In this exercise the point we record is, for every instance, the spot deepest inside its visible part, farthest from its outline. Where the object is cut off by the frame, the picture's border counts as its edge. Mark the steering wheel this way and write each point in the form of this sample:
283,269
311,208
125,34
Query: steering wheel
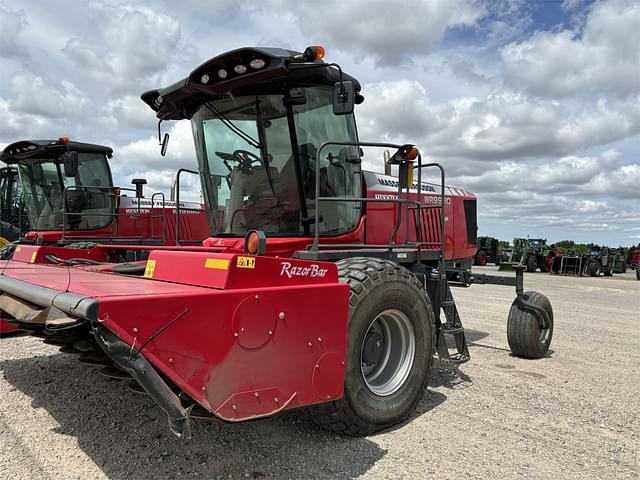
239,156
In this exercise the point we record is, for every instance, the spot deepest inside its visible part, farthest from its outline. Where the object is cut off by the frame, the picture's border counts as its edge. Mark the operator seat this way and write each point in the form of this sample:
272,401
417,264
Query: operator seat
252,183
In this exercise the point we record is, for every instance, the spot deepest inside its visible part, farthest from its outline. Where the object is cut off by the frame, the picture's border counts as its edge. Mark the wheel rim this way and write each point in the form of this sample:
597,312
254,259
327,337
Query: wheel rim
387,352
544,335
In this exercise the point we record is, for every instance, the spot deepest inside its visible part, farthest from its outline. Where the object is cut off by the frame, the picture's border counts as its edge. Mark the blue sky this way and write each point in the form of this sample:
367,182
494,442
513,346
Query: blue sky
533,105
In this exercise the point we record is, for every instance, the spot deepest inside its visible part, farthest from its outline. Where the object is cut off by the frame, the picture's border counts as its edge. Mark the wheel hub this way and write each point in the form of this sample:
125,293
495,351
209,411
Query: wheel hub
387,352
373,347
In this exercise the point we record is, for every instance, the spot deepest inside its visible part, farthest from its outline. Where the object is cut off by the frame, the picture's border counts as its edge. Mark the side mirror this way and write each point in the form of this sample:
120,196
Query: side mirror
70,161
164,144
343,97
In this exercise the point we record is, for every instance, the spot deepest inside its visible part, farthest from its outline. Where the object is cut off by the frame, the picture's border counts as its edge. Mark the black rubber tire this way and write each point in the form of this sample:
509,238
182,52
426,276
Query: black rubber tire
638,272
532,263
377,285
523,328
481,258
595,270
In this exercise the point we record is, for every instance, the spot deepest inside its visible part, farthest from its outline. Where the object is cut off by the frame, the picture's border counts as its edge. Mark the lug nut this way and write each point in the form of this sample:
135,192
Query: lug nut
281,316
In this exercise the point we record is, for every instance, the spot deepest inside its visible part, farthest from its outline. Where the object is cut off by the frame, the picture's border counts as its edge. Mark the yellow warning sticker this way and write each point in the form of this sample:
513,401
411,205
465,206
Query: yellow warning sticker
33,257
246,262
18,249
149,269
217,263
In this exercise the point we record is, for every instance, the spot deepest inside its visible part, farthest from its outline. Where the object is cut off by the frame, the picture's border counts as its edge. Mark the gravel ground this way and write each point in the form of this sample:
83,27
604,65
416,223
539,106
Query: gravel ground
572,414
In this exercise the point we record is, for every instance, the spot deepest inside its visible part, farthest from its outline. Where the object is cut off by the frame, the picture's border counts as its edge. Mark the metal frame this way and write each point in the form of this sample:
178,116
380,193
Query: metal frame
180,171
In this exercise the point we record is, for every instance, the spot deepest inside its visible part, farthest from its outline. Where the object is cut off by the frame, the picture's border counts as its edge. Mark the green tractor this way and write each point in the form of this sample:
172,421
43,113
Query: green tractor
619,260
532,253
488,251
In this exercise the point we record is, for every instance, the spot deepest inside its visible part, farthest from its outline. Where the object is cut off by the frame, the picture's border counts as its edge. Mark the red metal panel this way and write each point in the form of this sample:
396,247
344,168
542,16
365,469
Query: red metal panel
204,354
226,270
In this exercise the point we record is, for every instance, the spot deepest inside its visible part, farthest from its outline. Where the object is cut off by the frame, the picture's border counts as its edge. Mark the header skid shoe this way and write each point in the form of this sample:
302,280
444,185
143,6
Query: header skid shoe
242,336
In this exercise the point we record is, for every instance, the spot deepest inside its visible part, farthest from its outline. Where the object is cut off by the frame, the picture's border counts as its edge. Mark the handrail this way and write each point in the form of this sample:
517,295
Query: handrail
316,233
180,171
441,262
408,204
65,213
152,217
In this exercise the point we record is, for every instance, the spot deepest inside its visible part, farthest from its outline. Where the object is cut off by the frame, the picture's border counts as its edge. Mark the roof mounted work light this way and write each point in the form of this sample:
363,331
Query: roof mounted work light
311,54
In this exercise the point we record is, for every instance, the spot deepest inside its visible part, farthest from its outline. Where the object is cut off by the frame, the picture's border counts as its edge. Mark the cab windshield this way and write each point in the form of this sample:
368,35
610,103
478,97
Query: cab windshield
251,177
83,202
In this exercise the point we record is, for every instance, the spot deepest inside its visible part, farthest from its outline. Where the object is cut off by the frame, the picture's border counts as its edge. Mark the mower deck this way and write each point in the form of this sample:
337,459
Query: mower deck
265,334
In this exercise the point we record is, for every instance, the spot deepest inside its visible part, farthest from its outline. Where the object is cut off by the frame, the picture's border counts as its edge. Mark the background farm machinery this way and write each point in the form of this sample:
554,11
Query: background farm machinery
13,218
601,260
531,253
67,196
489,251
322,285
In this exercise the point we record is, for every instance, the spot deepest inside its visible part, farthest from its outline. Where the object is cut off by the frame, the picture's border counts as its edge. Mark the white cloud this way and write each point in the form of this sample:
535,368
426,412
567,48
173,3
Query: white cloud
602,57
142,159
389,32
13,124
130,111
146,153
590,206
35,95
130,43
622,182
12,23
500,126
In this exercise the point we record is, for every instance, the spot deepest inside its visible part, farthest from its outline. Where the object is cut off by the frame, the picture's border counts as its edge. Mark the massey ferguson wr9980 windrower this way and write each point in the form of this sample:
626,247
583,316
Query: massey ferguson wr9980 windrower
68,196
322,285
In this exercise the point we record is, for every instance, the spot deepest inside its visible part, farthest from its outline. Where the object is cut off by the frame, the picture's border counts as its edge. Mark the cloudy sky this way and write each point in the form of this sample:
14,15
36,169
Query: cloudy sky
533,105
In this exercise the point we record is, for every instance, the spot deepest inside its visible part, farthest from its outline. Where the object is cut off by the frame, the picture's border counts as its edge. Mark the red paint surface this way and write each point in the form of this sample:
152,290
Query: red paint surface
201,352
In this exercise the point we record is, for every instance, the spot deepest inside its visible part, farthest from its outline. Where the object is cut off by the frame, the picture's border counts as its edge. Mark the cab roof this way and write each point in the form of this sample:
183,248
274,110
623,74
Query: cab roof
281,69
25,149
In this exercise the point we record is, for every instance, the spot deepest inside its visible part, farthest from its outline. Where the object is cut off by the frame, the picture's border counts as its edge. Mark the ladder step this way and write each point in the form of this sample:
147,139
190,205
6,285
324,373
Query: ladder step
458,358
453,331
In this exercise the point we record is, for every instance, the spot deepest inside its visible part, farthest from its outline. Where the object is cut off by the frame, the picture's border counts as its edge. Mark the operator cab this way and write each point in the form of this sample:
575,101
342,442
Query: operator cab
65,185
259,117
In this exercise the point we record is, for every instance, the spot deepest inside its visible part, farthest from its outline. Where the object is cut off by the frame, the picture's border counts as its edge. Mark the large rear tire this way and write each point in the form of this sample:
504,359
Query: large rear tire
532,263
481,258
526,337
389,348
